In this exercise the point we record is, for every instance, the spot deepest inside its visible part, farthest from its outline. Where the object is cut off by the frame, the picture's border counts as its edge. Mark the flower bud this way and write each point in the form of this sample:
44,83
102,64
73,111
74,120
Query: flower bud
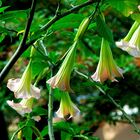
82,28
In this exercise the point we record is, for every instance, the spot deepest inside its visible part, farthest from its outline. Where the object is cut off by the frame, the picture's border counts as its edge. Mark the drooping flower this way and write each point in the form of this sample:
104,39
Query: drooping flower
67,108
62,79
23,88
131,43
23,107
107,68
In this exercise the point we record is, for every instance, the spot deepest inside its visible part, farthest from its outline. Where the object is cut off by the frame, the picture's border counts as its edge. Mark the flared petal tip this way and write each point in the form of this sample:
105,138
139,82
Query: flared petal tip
51,81
62,85
117,72
36,118
13,84
35,92
131,49
69,113
21,109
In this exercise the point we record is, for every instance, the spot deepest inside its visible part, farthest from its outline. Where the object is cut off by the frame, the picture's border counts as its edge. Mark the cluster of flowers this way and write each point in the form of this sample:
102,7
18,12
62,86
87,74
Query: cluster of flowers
24,90
106,69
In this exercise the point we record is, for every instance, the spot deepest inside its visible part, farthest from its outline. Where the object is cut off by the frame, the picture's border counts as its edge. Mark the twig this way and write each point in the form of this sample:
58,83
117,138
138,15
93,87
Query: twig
137,130
22,47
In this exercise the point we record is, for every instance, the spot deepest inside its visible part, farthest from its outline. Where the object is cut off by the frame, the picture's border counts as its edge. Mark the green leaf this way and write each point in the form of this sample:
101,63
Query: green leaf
12,15
2,36
39,62
44,132
70,21
27,132
65,136
3,30
39,111
59,126
136,17
104,30
3,8
126,7
64,127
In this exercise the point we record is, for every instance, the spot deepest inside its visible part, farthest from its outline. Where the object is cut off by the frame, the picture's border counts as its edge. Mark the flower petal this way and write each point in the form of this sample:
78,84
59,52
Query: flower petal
130,48
67,108
35,92
19,108
107,68
36,118
13,84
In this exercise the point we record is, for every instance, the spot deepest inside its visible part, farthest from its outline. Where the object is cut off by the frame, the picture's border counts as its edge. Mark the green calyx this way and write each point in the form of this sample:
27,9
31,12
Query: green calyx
131,31
82,28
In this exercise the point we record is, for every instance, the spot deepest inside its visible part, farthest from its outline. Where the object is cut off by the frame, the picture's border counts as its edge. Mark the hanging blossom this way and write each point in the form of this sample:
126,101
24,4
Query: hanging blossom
23,88
67,108
62,79
107,68
23,107
131,43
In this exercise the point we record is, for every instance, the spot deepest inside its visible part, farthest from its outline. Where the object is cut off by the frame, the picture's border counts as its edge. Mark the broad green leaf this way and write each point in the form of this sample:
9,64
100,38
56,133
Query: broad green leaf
70,21
3,8
12,15
104,30
39,111
64,127
136,16
126,7
27,132
44,132
2,36
59,126
65,136
3,30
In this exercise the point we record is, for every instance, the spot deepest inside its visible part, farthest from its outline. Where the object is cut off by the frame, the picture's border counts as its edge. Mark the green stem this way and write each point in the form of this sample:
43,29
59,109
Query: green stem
15,133
50,113
37,133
